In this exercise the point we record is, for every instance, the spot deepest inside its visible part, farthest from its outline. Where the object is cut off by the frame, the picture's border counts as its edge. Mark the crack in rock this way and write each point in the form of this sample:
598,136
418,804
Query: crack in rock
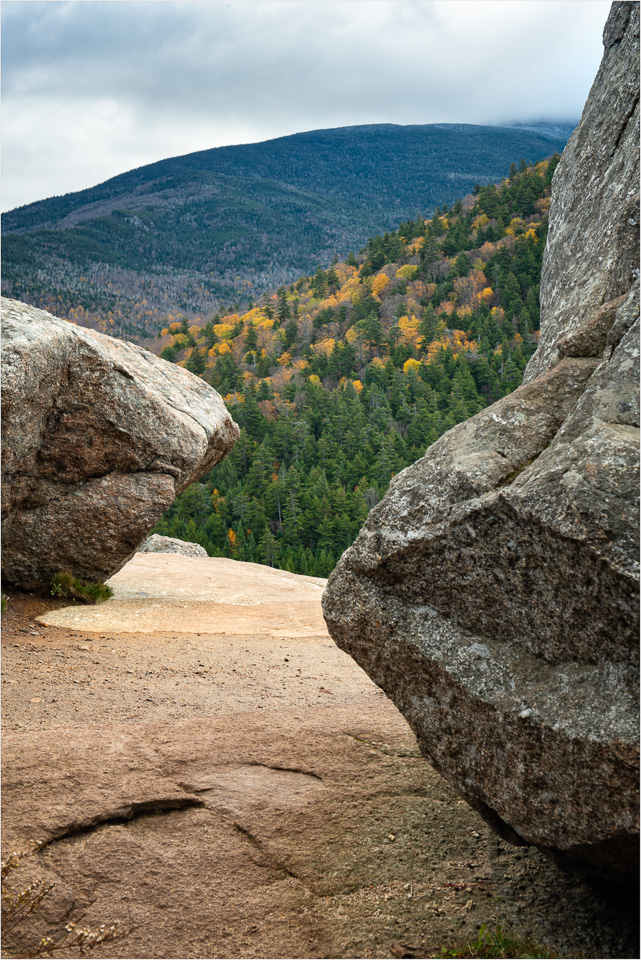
124,814
273,861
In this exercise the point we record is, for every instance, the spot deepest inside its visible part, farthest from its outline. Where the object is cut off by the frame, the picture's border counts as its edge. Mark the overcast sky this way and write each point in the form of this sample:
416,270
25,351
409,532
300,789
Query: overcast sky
91,89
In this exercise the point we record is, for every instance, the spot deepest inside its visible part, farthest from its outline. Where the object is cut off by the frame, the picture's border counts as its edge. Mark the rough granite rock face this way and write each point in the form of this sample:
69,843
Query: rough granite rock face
494,592
98,438
158,544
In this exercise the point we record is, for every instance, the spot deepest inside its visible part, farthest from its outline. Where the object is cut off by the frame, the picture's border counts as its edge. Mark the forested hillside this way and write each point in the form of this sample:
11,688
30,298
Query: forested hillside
191,233
345,377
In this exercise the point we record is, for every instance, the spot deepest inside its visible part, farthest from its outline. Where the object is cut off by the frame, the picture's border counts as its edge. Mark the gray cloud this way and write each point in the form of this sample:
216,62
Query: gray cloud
91,89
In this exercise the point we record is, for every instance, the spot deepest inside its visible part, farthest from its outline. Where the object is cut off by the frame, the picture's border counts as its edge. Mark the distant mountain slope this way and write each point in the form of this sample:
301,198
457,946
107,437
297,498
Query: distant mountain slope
194,232
346,377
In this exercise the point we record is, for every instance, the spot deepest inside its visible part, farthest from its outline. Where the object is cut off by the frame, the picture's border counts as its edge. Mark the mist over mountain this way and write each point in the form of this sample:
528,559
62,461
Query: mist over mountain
196,232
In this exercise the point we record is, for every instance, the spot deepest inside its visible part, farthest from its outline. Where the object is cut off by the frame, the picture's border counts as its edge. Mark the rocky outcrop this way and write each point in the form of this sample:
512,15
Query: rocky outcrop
157,544
98,438
592,251
494,592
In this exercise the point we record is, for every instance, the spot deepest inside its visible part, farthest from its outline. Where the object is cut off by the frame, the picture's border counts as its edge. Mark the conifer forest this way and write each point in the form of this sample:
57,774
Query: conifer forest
343,378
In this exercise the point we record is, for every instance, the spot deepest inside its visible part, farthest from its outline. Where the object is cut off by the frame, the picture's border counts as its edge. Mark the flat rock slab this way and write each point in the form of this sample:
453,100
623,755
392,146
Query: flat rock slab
202,595
284,835
229,796
203,843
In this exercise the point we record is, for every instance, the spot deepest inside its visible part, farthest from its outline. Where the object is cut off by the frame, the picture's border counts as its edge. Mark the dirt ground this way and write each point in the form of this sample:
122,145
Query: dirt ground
233,785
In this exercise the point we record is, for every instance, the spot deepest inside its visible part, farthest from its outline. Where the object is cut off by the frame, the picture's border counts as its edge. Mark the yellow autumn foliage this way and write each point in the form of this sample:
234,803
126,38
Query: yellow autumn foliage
331,301
379,283
478,277
434,349
324,346
343,271
223,330
348,290
407,272
456,340
253,315
411,364
409,328
459,341
358,386
517,225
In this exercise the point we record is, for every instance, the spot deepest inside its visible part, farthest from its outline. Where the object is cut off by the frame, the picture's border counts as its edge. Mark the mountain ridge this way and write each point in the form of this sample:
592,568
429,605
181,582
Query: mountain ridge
545,130
198,232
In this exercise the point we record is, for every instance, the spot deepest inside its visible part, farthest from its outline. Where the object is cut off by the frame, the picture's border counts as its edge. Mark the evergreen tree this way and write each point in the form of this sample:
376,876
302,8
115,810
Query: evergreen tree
282,308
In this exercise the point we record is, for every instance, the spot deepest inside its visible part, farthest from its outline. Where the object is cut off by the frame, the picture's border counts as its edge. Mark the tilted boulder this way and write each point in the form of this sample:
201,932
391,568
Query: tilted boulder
494,592
158,544
98,438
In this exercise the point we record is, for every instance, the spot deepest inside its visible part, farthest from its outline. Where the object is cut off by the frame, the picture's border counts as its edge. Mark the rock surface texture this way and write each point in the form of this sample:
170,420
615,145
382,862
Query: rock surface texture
98,438
157,544
493,593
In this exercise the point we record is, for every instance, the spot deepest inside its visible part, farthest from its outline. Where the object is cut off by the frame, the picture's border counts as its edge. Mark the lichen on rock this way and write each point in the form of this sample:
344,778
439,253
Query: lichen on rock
494,592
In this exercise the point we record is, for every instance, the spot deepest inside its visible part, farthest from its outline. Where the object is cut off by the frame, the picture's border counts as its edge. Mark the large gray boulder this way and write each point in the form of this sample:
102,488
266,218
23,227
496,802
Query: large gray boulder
158,544
98,438
494,592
